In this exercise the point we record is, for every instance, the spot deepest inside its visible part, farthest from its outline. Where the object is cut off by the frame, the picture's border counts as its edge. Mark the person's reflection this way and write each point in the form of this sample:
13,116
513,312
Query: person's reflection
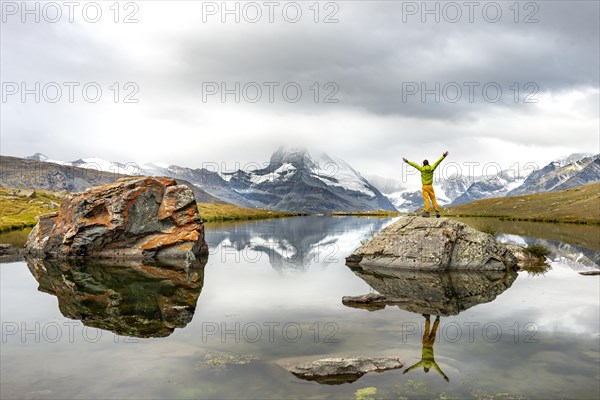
427,359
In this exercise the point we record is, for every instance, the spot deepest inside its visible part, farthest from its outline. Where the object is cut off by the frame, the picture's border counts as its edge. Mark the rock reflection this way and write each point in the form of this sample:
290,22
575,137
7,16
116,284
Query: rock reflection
129,298
429,293
438,293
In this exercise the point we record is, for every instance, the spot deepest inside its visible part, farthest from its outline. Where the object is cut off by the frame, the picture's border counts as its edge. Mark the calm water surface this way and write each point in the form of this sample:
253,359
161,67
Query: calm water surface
269,297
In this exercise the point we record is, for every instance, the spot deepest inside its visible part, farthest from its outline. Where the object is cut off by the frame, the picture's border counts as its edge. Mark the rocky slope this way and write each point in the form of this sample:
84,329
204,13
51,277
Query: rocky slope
39,172
560,175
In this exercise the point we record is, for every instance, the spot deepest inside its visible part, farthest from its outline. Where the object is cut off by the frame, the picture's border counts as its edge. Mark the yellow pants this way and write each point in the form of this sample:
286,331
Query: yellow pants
428,194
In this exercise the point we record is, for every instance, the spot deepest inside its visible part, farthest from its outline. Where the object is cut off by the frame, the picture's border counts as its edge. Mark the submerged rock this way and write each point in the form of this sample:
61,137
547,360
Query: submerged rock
133,218
334,371
590,273
130,298
434,244
441,293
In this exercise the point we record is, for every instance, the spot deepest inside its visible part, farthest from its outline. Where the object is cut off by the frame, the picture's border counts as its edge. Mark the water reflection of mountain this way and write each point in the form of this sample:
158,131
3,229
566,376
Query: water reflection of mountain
128,298
576,257
293,244
437,293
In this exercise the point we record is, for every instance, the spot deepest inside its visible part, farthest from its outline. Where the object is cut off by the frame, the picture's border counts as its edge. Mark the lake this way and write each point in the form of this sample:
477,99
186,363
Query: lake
269,297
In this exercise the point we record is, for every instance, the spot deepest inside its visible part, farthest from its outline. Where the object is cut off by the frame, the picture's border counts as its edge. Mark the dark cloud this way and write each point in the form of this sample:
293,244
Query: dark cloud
371,55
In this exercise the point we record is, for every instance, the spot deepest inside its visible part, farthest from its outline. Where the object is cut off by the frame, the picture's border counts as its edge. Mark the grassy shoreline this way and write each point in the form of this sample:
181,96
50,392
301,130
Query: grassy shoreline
226,212
19,209
368,213
578,205
544,220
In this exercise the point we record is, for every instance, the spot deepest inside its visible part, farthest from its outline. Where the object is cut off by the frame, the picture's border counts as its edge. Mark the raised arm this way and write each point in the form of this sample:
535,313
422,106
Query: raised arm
434,166
439,370
412,164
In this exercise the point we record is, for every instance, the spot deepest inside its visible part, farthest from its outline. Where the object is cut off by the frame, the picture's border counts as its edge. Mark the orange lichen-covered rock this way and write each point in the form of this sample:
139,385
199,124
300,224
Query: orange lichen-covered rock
135,217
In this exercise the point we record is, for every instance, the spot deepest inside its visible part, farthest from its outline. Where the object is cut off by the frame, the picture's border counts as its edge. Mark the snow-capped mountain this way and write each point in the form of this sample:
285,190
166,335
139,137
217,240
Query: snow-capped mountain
293,180
453,190
575,170
498,185
560,175
94,163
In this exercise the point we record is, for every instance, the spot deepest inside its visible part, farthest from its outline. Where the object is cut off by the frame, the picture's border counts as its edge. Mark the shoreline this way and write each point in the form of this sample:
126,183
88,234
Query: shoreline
532,219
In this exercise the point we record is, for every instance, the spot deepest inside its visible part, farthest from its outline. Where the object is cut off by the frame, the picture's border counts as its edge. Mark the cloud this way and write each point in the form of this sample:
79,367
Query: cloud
368,61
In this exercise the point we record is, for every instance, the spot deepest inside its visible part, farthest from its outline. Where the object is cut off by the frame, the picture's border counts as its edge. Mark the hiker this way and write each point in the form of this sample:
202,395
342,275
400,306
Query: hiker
427,180
427,359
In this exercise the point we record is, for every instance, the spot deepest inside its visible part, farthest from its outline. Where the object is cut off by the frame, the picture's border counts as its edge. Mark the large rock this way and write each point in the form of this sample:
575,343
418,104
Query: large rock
434,244
133,218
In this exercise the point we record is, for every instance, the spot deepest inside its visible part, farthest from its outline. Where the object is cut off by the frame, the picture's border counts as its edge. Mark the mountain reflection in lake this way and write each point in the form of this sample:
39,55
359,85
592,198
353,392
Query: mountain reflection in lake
294,244
270,297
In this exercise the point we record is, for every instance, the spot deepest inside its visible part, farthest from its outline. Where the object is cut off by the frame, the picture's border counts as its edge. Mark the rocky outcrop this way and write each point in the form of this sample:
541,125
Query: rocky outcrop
133,218
433,244
130,298
443,293
334,371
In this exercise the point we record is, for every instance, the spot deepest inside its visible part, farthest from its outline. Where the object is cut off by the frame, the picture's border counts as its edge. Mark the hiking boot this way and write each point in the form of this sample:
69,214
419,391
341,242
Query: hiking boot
437,214
425,215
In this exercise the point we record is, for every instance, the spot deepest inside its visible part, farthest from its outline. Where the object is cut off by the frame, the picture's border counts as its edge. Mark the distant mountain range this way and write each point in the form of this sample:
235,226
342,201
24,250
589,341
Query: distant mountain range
576,170
296,180
560,175
30,173
293,180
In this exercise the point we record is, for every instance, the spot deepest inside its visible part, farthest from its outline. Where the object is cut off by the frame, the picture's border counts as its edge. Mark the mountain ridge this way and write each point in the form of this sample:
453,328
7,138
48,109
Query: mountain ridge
294,180
297,180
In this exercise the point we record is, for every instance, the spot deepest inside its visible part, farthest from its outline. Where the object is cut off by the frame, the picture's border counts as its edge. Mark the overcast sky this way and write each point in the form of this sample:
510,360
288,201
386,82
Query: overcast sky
372,59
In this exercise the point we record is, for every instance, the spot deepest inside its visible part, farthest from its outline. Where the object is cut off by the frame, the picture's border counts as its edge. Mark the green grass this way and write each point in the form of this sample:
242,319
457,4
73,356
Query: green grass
576,205
537,250
227,212
537,269
585,235
19,207
488,228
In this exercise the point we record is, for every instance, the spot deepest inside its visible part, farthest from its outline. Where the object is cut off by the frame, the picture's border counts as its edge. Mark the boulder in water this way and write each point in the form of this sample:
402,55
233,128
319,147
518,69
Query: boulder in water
133,218
434,244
